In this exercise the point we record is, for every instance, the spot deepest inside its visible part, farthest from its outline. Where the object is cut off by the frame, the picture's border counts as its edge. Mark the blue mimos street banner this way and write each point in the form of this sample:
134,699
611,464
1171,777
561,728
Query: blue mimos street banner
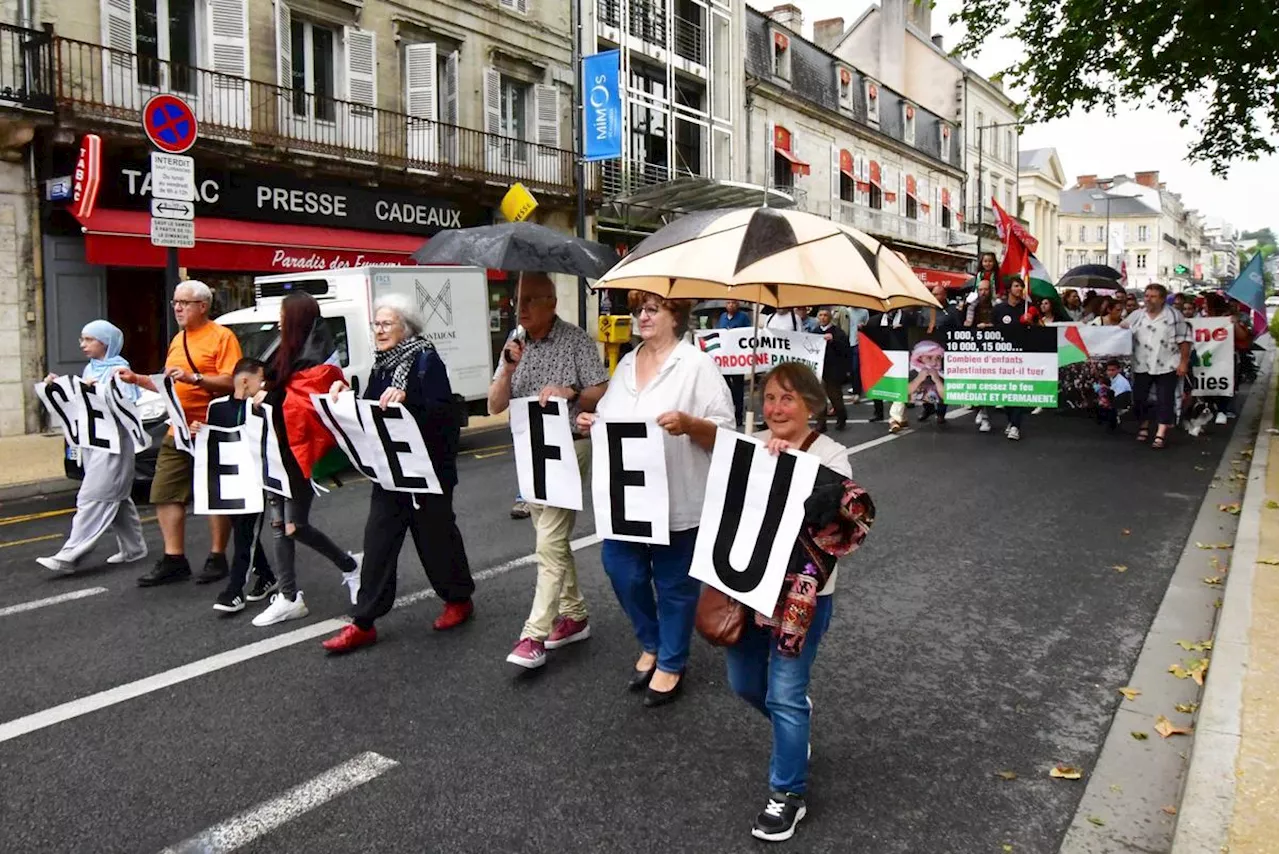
601,107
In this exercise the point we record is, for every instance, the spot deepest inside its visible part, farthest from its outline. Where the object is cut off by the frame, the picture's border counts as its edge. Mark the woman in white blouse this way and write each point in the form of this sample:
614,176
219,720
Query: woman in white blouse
679,386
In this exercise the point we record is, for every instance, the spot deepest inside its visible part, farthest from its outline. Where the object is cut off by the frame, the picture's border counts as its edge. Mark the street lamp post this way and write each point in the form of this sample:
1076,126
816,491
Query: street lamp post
981,129
1106,235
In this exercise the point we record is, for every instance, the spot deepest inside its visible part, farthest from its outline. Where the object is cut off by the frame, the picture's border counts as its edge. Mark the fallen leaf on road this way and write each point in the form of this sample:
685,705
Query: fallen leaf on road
1186,708
1140,736
1198,671
1119,567
1197,646
1271,505
1247,452
1201,545
1233,508
1130,693
1006,848
1212,580
1199,468
1115,787
1217,603
1065,772
1007,775
1165,727
1170,809
1179,671
1124,532
1093,819
1269,561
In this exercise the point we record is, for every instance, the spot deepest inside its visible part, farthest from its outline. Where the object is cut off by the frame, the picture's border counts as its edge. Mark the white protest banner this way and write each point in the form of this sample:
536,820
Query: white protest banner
738,351
749,490
125,411
264,446
224,479
1013,366
546,465
181,432
385,445
1213,364
97,427
629,482
60,398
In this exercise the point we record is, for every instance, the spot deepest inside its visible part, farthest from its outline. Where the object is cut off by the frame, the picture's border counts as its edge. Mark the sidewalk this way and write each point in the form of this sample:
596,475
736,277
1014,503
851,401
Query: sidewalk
1230,802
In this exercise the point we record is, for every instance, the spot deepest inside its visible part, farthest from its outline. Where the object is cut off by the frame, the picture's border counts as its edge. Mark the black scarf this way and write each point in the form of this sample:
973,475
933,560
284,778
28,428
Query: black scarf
400,358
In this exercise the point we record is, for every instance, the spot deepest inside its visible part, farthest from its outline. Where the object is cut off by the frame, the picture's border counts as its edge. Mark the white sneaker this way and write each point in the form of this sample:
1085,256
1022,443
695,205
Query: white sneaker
984,424
352,578
121,557
1037,410
52,564
282,609
1013,434
1220,418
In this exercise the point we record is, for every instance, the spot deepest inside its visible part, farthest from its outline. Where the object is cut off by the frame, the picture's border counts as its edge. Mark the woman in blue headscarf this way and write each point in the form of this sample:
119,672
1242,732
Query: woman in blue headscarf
103,503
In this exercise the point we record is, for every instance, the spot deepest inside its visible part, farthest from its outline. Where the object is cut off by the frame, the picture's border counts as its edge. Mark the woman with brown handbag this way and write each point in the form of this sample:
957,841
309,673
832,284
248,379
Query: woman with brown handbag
770,664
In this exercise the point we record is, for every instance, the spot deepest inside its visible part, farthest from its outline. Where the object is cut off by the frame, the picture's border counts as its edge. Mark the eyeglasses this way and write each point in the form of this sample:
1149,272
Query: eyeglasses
384,325
183,303
648,310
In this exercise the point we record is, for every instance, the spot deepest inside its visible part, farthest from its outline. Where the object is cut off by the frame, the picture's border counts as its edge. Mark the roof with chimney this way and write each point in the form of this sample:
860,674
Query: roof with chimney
1080,201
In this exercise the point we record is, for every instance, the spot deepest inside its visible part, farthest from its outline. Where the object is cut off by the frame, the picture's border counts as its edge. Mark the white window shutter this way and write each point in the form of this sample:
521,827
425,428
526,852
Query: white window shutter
284,45
450,112
420,81
795,144
902,193
770,180
546,109
119,28
835,180
522,6
229,37
362,77
492,104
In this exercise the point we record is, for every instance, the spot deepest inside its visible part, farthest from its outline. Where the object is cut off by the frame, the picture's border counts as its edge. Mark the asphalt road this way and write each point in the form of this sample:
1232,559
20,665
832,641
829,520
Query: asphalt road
981,628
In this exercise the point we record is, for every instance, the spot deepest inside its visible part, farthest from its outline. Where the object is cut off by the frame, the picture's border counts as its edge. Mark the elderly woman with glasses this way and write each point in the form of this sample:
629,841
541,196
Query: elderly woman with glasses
676,384
408,371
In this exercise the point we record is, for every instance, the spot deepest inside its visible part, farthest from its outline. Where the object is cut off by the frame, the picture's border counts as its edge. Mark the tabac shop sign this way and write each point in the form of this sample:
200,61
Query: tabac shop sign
282,199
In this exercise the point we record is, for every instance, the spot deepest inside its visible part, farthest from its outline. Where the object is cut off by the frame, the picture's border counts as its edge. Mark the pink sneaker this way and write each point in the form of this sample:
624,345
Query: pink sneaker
567,630
529,654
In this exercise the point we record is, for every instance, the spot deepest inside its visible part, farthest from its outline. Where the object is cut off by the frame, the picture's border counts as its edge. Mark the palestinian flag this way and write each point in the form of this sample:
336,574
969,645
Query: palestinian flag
883,365
1039,285
1071,347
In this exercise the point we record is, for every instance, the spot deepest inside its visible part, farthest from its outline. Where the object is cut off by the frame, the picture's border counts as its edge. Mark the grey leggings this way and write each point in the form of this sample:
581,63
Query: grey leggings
296,511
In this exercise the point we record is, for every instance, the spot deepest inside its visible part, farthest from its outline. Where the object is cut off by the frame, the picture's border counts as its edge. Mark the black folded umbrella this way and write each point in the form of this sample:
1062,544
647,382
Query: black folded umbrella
1100,277
518,247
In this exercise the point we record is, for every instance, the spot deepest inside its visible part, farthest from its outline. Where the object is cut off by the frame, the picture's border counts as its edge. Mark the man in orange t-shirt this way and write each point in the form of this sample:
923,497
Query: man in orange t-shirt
201,361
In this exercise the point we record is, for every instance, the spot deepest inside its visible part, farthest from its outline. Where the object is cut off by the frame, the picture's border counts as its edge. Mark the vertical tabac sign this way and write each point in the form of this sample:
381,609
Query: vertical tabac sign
87,177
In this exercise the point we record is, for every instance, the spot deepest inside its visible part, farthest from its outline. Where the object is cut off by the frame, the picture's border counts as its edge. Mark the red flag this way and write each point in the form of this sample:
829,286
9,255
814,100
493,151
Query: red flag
1017,252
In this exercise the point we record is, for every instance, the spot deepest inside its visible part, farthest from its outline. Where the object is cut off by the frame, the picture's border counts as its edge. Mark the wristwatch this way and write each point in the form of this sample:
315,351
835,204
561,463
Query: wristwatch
196,379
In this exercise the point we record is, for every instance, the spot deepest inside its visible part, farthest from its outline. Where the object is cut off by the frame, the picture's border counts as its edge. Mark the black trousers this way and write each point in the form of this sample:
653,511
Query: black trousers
436,538
737,389
835,394
244,543
1166,387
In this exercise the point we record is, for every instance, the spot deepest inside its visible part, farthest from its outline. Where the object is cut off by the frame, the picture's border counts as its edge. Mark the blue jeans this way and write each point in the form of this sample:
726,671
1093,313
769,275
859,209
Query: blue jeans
778,687
663,625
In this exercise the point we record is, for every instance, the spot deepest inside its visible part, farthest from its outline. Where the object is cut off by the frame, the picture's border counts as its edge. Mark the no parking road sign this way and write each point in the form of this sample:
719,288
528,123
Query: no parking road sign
169,123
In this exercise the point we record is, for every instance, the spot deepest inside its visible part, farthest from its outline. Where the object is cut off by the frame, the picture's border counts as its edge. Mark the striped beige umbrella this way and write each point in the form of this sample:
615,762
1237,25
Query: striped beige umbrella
769,257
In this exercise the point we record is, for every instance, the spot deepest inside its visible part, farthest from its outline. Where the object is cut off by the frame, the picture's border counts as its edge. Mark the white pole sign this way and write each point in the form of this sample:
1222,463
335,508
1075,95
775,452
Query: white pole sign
629,482
751,517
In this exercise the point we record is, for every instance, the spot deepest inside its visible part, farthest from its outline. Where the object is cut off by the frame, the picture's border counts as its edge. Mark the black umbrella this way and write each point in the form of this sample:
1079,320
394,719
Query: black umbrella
518,247
1100,277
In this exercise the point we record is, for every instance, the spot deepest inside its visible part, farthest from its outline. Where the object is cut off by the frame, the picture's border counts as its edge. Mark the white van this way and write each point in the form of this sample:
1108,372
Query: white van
454,303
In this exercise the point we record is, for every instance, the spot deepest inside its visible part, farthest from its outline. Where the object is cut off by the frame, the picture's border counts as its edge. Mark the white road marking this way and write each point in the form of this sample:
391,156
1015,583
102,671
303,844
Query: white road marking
96,702
52,600
260,820
905,431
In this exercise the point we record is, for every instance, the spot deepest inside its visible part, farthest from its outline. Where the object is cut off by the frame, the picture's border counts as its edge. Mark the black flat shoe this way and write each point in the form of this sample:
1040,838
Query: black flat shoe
653,699
640,679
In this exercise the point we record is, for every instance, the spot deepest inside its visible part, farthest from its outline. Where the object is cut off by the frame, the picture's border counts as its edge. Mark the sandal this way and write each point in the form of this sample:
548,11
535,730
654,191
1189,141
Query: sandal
1158,442
1144,434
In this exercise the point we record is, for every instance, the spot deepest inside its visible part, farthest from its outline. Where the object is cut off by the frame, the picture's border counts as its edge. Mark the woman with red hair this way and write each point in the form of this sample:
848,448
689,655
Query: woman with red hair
303,366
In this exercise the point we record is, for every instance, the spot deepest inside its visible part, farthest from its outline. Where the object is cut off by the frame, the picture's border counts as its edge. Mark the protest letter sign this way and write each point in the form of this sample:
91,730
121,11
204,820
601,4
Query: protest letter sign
125,411
546,464
739,351
1015,366
405,465
181,432
1213,365
98,427
629,482
224,479
342,417
60,398
264,447
751,516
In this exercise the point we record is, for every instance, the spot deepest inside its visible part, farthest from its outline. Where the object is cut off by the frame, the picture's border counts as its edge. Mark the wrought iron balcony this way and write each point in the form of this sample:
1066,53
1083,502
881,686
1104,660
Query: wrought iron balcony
690,40
100,87
609,12
26,68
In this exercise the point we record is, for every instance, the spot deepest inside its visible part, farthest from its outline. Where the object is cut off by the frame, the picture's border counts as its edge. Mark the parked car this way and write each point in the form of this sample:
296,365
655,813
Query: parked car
156,421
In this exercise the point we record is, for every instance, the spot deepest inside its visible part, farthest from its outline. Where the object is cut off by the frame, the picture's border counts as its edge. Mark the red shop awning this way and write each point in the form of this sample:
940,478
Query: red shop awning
947,278
119,238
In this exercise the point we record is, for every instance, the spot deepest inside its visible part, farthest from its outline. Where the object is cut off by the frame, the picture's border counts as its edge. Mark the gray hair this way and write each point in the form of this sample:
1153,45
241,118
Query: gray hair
199,290
405,309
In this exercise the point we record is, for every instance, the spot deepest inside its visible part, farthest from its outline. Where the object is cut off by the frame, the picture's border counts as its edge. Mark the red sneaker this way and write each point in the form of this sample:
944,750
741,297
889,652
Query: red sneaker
566,630
453,615
352,637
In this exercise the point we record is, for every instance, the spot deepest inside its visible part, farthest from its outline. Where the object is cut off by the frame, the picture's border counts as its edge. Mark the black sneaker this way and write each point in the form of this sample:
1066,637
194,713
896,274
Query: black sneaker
215,569
229,602
261,589
777,821
169,568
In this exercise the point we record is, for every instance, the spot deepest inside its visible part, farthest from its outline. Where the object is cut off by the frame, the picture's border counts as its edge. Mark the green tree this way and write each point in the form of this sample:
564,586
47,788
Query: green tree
1177,56
1264,236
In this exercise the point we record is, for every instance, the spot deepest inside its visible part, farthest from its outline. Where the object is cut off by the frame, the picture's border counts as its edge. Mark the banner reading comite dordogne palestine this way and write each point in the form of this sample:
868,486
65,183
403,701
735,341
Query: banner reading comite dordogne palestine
1002,367
738,351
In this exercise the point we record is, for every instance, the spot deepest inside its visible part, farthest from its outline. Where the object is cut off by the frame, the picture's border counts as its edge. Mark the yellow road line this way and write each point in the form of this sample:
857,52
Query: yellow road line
31,517
44,537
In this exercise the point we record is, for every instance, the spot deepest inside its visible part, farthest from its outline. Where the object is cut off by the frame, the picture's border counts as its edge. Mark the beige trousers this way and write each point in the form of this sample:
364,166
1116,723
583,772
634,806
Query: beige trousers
557,592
